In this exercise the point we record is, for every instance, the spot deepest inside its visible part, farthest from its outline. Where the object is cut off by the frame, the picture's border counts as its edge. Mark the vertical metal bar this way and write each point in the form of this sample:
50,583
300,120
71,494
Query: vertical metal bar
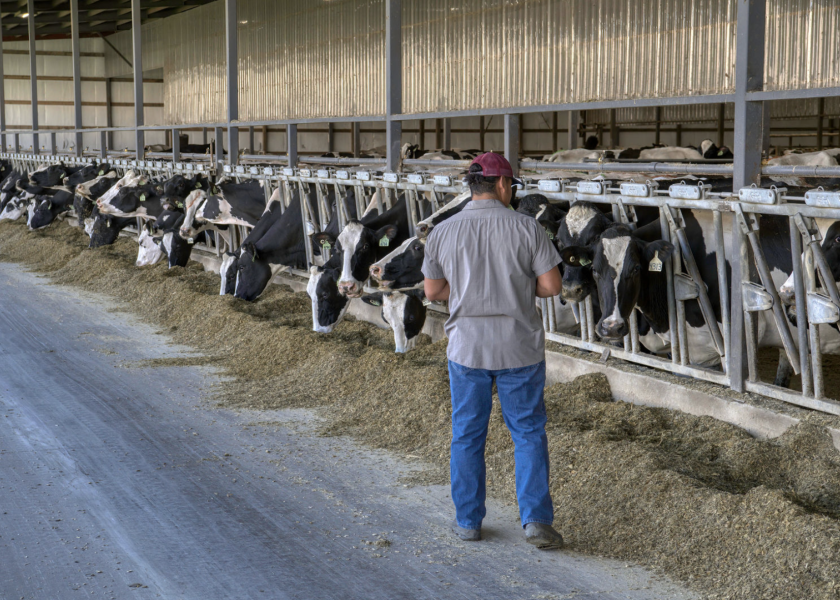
137,47
176,145
481,131
77,76
204,135
574,124
669,284
393,83
590,319
723,284
219,143
251,141
447,134
265,138
103,145
614,130
679,134
422,137
109,119
814,330
2,93
292,145
544,311
721,117
232,74
658,136
801,304
330,137
52,143
357,139
512,141
820,113
438,133
16,143
747,147
33,74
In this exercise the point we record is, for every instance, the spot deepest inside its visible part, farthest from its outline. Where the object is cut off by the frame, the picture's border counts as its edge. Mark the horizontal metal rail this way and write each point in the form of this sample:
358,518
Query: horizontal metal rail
611,167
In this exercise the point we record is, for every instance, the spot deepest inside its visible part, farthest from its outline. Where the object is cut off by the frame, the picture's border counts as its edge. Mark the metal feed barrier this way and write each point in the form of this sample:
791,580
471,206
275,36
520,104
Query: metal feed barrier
736,222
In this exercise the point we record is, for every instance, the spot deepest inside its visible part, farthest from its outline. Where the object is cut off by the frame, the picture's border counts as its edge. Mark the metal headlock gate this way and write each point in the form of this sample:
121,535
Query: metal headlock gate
736,223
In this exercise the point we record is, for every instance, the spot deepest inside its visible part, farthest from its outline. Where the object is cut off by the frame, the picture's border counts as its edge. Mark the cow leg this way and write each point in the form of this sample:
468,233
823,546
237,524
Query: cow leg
784,371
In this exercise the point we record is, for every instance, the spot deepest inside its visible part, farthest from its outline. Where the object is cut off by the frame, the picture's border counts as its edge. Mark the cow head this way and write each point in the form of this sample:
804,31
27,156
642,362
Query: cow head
405,314
42,212
228,272
177,249
192,209
48,175
402,267
15,208
582,226
252,273
150,251
180,186
328,305
357,245
105,229
621,267
84,174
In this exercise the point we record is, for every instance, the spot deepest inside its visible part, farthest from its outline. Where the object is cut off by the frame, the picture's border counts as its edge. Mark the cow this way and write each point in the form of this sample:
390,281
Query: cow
670,153
161,237
225,203
104,229
823,158
87,193
328,305
180,186
140,200
453,207
45,209
583,225
362,243
404,312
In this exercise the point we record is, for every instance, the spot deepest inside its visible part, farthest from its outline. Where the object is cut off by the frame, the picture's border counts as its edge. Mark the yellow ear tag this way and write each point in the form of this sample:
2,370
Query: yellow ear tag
101,173
655,264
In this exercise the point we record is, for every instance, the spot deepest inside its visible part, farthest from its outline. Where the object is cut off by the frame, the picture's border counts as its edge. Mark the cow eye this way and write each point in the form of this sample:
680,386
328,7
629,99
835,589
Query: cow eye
241,267
837,240
410,318
637,268
366,247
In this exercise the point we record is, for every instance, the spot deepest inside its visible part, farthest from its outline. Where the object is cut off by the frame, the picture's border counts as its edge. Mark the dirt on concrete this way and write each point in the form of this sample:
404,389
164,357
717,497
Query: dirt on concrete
701,500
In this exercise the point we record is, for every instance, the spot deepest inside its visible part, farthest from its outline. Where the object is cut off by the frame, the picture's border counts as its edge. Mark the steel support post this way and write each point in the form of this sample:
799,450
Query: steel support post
2,94
137,49
512,141
15,143
53,149
356,141
219,143
820,112
614,141
232,72
33,74
103,145
292,144
393,83
109,117
176,145
749,125
447,134
721,120
252,140
330,137
574,124
264,131
77,78
658,117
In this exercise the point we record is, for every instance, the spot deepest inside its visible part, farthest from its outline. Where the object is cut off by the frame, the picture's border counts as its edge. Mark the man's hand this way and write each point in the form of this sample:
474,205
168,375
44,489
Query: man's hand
437,289
549,284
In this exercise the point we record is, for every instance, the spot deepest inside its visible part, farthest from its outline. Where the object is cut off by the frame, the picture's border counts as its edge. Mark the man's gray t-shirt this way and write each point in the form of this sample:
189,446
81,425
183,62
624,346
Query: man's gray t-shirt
491,256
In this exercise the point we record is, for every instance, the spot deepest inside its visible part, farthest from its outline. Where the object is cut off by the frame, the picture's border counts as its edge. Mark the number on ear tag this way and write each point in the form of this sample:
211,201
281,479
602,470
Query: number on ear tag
584,262
550,235
384,241
655,264
325,244
142,197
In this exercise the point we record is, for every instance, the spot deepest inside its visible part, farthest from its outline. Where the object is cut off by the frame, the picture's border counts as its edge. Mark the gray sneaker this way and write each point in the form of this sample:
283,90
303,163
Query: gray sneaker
543,536
466,535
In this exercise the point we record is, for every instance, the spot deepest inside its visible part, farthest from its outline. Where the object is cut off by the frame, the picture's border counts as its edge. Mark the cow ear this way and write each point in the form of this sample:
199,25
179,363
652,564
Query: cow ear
323,239
577,256
418,293
373,299
660,249
389,231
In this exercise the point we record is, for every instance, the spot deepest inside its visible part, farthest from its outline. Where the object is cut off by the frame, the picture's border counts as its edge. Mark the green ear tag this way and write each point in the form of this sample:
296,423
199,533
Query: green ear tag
179,204
584,262
374,302
101,172
215,190
550,235
384,241
325,244
142,197
426,302
198,185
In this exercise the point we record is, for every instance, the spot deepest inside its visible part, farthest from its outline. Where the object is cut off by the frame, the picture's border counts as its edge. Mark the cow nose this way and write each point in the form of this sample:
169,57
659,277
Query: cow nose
422,229
376,272
612,328
572,291
787,295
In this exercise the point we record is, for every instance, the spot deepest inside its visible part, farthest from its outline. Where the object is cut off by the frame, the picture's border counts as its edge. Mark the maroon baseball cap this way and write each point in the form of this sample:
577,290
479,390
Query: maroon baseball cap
495,165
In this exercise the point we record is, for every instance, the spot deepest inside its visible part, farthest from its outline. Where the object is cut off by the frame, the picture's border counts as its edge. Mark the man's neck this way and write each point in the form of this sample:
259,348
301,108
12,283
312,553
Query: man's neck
487,197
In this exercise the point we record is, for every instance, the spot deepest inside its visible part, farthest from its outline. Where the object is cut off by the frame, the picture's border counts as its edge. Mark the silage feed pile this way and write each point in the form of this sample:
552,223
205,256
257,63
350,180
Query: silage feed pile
732,516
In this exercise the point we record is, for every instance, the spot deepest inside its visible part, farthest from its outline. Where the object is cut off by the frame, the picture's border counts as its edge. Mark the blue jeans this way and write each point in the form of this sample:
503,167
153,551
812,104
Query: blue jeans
521,392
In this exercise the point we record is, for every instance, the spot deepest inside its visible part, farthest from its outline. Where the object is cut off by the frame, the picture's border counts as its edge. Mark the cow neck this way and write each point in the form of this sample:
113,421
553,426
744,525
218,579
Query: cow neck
653,300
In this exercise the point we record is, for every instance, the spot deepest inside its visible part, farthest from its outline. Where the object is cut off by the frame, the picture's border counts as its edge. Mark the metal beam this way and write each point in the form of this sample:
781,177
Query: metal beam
574,124
33,75
137,48
447,134
109,119
219,143
292,144
356,139
2,93
512,141
393,82
77,76
232,73
330,137
103,145
176,145
748,130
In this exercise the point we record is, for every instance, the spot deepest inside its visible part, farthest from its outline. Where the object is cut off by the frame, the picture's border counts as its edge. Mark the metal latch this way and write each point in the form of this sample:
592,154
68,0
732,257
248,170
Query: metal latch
755,297
685,288
821,309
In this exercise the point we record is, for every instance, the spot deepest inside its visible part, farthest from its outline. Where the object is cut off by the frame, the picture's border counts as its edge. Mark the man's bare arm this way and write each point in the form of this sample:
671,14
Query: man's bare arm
549,284
436,289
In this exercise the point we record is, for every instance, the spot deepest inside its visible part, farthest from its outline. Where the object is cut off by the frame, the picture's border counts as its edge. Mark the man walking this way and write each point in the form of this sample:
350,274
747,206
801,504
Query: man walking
490,262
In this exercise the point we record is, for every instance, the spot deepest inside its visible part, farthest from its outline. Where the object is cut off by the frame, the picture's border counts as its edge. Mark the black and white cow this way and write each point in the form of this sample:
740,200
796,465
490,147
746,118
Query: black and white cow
161,238
225,203
105,229
404,312
453,207
582,226
181,187
45,209
140,200
328,305
87,193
